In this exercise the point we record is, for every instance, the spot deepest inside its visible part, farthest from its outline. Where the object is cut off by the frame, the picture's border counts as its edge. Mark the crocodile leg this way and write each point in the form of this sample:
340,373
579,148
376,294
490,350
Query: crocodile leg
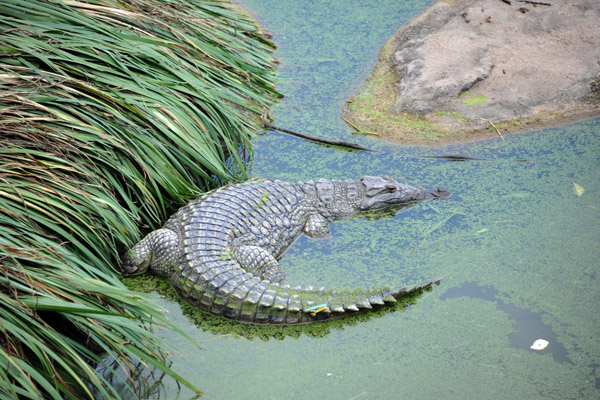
316,226
259,262
159,249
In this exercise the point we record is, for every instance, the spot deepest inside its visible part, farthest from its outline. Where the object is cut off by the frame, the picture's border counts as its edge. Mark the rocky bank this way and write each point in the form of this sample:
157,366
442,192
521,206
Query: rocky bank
472,68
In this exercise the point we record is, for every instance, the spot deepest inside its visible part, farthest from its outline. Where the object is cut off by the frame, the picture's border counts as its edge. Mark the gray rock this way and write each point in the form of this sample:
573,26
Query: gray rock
487,59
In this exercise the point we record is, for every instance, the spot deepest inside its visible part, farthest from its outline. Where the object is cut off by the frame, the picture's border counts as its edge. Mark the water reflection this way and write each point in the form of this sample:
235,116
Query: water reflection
528,325
218,325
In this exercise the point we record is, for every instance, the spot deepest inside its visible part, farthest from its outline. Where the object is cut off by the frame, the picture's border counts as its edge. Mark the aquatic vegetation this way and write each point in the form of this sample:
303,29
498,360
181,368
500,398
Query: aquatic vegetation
111,112
479,99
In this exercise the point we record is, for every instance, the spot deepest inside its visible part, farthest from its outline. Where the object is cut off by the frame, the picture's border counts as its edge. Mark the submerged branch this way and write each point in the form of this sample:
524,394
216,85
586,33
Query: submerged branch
356,146
535,3
332,142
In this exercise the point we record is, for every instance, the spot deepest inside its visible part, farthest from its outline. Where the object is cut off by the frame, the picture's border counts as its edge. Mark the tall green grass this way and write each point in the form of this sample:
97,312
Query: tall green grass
110,113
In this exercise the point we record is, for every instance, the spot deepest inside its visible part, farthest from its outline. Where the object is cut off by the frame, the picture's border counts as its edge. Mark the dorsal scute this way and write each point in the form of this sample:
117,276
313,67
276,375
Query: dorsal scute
352,190
325,191
309,188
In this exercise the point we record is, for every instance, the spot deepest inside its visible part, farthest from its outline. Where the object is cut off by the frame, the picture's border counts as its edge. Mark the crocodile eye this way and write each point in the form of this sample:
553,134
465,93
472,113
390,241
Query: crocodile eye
390,190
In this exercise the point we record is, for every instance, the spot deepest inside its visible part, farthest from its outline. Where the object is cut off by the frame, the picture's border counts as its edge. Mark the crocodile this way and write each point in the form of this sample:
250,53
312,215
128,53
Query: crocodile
220,251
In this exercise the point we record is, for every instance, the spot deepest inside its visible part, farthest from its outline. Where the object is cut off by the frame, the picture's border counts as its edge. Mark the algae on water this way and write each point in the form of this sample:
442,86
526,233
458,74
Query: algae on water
515,229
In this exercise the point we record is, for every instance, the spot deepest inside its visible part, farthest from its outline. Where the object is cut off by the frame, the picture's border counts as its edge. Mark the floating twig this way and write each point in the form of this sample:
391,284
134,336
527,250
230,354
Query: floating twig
494,126
265,119
535,3
457,157
358,130
332,142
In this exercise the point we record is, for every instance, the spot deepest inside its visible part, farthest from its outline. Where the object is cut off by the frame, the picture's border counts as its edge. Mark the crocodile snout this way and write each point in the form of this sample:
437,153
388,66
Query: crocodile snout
439,193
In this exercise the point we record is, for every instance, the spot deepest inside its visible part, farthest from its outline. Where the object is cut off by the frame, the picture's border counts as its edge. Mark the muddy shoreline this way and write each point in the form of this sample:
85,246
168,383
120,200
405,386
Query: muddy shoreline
466,70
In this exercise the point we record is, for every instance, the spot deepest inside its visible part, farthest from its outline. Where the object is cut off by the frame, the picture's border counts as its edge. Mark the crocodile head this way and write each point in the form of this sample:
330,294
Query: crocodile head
382,192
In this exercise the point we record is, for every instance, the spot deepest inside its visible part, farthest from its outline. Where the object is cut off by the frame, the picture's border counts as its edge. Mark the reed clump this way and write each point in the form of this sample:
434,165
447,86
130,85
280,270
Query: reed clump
110,113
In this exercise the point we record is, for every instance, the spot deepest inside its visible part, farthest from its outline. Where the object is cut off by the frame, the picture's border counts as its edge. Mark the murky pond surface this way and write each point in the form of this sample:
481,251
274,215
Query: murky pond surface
517,248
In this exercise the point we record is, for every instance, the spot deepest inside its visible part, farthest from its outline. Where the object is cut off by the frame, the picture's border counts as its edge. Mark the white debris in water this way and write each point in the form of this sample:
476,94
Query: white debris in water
539,344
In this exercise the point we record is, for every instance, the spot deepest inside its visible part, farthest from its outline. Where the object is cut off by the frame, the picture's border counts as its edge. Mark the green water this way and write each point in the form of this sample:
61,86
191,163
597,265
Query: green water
516,247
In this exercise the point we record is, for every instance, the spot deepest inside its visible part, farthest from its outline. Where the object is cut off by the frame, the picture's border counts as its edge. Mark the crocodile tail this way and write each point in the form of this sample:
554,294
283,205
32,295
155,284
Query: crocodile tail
233,293
274,304
335,304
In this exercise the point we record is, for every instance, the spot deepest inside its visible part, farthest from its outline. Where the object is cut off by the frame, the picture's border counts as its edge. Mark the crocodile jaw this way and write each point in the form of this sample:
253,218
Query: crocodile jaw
382,192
